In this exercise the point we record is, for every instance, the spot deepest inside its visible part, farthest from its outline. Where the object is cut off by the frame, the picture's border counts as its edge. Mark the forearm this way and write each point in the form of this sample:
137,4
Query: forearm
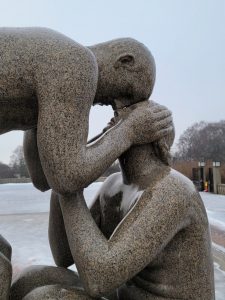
101,153
57,235
33,162
72,164
87,243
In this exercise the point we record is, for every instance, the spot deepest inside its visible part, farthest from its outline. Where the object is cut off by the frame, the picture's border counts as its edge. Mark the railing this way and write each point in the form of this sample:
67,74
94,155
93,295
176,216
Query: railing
221,189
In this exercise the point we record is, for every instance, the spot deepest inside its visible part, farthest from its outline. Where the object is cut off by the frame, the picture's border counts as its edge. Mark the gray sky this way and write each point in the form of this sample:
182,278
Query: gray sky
186,37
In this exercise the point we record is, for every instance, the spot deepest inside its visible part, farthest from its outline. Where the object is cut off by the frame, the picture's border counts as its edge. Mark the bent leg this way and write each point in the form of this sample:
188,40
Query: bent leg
38,276
57,292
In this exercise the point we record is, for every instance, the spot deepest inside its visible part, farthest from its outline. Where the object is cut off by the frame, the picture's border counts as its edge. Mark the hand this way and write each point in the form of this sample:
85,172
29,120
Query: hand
147,122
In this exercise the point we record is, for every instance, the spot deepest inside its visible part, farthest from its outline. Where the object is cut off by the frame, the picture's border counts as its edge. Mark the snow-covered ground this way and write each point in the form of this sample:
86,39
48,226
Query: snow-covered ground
215,206
24,223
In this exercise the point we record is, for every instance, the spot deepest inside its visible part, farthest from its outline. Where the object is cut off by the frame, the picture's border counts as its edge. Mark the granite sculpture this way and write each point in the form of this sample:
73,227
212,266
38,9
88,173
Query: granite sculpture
146,234
48,83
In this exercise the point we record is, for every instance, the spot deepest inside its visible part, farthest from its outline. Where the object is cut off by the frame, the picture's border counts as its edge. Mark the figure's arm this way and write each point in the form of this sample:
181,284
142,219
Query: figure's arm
104,264
32,159
68,162
66,84
57,233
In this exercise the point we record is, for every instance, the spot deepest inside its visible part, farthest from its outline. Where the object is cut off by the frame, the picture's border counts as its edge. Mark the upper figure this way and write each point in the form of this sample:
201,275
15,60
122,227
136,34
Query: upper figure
48,83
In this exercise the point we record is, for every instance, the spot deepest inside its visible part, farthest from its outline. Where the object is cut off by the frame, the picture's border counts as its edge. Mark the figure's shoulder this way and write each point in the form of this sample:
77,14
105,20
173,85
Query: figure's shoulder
46,42
177,188
180,181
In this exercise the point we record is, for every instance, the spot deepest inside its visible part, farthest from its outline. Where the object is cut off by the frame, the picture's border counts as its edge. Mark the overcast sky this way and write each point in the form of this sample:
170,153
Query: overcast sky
186,37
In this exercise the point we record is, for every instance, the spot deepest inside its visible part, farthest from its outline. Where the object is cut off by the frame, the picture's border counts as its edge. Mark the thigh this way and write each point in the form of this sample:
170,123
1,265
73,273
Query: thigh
57,292
39,276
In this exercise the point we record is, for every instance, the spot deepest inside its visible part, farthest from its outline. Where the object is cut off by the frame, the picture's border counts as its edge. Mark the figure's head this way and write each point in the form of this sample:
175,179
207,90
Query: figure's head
126,70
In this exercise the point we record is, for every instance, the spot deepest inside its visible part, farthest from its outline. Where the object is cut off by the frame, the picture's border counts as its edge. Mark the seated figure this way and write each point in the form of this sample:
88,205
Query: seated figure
147,236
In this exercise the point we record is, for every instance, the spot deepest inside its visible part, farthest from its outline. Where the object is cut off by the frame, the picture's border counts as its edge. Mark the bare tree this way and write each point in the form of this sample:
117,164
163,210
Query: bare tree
202,141
17,163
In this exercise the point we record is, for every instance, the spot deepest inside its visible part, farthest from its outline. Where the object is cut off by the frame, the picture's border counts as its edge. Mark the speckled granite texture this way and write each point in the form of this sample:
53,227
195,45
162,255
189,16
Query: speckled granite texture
5,268
146,235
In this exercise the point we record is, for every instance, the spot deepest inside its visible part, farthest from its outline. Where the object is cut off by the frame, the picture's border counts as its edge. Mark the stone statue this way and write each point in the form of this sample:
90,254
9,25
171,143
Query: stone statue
48,83
147,236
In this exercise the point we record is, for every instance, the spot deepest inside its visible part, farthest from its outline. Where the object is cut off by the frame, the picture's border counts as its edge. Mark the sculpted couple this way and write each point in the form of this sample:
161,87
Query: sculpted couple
145,235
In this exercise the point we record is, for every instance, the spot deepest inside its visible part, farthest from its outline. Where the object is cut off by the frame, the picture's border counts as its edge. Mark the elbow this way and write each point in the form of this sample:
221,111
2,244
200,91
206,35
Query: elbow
65,184
39,181
63,262
40,184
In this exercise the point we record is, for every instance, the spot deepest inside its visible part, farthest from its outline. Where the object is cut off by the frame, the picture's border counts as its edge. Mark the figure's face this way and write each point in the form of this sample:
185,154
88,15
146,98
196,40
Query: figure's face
126,70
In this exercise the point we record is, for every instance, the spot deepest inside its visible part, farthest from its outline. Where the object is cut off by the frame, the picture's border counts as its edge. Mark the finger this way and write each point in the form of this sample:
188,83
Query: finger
162,124
157,109
152,103
162,115
163,132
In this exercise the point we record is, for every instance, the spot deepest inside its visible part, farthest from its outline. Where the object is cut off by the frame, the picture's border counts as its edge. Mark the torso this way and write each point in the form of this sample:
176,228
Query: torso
28,58
192,270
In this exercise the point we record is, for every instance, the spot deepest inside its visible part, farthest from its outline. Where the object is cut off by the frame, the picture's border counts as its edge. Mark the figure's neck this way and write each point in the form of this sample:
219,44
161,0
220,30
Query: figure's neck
140,162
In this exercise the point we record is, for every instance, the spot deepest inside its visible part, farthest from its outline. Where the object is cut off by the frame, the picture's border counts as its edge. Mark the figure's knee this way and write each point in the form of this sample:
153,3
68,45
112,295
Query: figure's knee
57,292
38,276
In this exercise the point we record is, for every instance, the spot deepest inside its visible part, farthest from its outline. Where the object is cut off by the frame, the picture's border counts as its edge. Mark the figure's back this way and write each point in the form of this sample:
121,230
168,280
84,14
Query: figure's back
33,62
22,52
